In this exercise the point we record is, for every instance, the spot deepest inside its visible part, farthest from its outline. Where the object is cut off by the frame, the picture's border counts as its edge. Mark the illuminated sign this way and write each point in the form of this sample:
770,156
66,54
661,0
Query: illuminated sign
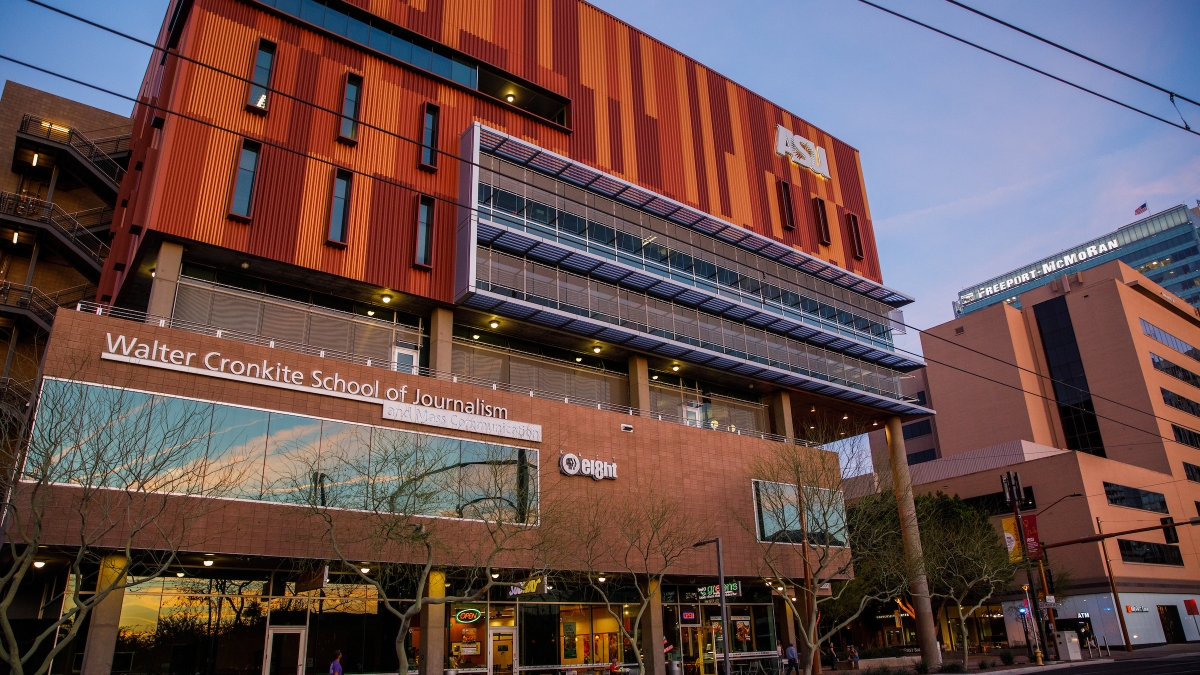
1136,609
468,615
687,616
801,151
1038,270
733,589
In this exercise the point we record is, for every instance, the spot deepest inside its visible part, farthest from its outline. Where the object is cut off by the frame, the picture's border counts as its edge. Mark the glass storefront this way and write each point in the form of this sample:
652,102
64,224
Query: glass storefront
253,624
693,633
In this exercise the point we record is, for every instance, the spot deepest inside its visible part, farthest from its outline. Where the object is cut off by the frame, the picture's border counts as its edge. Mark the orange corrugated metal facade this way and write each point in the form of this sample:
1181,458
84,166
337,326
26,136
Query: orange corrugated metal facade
638,109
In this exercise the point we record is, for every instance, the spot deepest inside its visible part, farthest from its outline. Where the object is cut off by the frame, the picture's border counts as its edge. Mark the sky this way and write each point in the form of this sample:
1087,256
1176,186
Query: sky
974,166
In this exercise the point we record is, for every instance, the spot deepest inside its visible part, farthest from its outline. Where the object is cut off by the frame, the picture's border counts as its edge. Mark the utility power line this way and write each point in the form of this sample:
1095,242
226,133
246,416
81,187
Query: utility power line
1072,52
1182,127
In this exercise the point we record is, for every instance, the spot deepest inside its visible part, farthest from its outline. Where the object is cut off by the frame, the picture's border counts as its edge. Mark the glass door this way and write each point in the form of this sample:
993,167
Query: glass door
502,653
285,650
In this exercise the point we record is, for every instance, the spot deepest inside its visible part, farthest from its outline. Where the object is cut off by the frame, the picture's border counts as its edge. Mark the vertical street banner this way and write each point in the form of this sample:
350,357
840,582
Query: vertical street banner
1033,545
1012,539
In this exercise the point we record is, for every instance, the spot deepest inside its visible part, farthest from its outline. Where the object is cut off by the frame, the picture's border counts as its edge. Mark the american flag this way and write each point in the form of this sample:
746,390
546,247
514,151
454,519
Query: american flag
1140,210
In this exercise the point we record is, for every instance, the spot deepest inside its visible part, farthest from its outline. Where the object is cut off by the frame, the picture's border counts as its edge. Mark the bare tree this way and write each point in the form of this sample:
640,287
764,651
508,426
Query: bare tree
110,477
629,544
812,543
965,558
394,503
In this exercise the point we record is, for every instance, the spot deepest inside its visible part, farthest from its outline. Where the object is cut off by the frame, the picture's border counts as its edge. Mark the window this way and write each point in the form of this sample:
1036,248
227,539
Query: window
1170,340
917,429
1169,533
424,257
995,503
243,186
1185,404
260,79
856,242
1135,498
1186,436
921,398
778,505
429,136
1149,553
922,457
339,209
821,218
405,360
786,216
1192,472
1175,371
1081,428
351,99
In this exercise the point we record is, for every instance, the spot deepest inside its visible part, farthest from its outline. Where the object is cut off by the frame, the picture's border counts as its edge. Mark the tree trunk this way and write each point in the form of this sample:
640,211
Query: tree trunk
962,623
401,652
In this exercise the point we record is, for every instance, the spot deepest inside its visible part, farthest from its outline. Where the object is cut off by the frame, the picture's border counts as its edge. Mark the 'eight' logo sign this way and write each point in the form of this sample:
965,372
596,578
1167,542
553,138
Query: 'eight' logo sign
572,465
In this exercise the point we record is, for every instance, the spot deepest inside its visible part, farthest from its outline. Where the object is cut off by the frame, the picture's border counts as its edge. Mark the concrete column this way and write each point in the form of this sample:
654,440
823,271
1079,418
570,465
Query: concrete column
652,634
166,278
639,383
106,619
911,534
441,340
781,412
433,628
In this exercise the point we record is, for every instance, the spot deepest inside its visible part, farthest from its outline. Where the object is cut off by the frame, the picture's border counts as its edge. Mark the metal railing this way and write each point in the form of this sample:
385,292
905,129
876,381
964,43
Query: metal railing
203,329
96,152
52,214
15,397
28,298
89,218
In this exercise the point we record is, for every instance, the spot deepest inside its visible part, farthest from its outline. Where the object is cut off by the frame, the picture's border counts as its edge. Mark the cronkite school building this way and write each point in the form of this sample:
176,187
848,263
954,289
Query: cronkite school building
532,237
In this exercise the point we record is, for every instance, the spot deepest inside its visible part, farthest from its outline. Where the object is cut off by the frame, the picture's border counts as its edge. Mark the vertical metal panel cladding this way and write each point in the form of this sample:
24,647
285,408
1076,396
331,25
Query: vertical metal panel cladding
638,109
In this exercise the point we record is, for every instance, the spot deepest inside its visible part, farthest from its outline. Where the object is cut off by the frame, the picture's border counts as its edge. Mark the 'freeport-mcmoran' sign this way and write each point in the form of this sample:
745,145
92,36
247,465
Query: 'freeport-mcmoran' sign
475,416
801,151
1039,270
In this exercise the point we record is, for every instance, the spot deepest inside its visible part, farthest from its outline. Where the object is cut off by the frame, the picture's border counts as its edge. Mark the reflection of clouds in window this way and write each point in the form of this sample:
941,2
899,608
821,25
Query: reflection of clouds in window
778,507
168,442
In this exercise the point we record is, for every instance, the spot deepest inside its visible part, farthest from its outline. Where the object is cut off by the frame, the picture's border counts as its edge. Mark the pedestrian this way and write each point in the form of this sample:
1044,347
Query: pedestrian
854,657
793,663
335,668
614,667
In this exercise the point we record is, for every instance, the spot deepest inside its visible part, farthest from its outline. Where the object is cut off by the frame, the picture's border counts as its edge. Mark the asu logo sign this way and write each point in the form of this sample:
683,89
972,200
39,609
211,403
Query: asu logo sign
801,151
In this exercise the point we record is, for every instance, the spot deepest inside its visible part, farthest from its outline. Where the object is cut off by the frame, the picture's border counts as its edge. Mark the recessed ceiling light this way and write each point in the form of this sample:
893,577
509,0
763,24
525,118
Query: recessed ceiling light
654,377
578,359
179,574
596,349
15,235
39,564
386,299
245,265
675,368
208,563
493,324
846,416
602,579
495,575
364,570
475,336
370,312
510,98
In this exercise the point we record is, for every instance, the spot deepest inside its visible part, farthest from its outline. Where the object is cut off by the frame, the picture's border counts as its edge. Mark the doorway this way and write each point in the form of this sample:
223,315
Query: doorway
502,650
285,650
405,360
1172,625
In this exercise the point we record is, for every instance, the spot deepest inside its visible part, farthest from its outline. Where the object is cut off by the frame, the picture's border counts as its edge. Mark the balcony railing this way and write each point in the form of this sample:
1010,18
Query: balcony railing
263,341
92,218
96,152
15,397
52,214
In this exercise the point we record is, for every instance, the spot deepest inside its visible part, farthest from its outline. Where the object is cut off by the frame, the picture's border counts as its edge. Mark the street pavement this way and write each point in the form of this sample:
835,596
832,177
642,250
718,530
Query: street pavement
1164,660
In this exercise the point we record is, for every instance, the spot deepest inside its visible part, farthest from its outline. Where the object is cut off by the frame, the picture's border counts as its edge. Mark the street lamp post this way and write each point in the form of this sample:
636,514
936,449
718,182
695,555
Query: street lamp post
721,594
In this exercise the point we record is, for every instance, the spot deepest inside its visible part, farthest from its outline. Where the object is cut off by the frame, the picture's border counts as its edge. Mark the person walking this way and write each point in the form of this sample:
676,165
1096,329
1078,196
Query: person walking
793,663
335,667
